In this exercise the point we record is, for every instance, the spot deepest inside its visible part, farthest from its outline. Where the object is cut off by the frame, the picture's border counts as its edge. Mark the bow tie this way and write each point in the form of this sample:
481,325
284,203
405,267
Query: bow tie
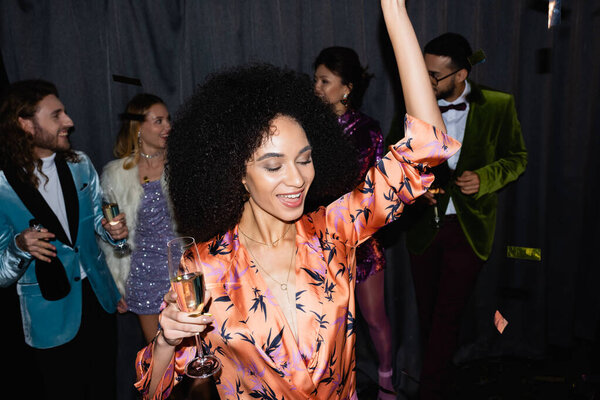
459,107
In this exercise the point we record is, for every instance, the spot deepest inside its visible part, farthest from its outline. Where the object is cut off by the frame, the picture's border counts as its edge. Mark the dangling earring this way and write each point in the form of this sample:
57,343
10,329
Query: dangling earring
344,99
246,195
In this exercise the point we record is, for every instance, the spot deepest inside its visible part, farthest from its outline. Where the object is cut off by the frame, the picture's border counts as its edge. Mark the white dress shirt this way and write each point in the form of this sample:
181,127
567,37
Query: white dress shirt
456,121
51,191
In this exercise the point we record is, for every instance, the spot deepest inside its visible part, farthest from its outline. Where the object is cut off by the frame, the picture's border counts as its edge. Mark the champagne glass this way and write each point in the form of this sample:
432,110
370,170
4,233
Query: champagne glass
110,209
187,281
436,215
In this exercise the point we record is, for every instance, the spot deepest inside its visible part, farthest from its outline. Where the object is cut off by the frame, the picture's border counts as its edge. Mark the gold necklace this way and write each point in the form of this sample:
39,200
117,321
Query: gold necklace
282,285
146,178
273,244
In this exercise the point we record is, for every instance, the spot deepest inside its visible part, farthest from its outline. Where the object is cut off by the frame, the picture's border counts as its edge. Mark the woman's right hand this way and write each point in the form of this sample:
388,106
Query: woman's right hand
117,227
177,325
430,196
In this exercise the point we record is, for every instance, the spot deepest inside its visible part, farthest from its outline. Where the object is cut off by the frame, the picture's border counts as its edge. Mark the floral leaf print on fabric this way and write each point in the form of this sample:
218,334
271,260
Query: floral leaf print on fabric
259,302
329,290
225,336
219,246
261,357
367,187
272,345
249,338
300,306
321,320
265,394
317,278
233,392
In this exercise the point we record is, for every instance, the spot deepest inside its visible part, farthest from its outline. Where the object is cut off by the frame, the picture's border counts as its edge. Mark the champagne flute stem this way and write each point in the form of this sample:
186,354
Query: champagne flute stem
199,351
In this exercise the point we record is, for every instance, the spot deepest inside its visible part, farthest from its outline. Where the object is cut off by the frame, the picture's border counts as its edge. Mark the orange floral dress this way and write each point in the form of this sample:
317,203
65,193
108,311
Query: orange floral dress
260,356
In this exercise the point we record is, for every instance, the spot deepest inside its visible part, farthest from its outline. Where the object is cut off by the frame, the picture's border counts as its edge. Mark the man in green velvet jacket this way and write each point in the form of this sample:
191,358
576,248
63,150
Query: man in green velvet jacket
448,252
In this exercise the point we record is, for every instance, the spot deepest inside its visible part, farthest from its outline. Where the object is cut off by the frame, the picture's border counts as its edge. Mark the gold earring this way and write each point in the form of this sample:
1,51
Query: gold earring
344,99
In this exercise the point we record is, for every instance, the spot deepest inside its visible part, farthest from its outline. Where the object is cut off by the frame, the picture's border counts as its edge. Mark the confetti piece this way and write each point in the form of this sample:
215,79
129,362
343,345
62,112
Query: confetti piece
524,253
500,322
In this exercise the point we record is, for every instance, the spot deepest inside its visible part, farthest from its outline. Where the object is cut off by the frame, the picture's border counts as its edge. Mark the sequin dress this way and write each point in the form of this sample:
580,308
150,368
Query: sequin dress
149,277
364,132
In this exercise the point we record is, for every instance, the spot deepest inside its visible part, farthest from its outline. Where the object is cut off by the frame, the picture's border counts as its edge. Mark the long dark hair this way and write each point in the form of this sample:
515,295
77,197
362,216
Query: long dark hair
20,100
344,62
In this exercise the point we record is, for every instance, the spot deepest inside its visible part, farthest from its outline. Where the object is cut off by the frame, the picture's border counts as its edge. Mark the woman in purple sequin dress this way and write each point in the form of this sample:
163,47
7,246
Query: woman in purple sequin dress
147,283
136,179
341,81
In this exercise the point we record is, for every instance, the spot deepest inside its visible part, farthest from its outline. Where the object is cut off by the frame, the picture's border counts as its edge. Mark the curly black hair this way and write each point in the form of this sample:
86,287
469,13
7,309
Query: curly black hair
219,128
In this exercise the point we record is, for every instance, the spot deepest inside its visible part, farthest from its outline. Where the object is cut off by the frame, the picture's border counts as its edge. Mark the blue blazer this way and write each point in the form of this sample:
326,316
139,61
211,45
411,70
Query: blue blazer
52,323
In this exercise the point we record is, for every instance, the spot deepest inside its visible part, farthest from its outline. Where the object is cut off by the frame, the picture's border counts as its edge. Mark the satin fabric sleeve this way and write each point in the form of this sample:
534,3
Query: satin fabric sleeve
397,179
13,260
144,364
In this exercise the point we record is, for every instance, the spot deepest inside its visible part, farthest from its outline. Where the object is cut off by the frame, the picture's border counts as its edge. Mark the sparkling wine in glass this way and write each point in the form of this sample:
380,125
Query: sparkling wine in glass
110,209
187,281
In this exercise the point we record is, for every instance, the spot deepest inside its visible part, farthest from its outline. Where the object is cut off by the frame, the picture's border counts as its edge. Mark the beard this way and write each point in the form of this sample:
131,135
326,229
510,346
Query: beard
447,92
45,139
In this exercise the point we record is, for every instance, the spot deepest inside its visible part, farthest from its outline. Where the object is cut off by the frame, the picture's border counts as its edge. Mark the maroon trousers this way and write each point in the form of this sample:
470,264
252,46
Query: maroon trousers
444,278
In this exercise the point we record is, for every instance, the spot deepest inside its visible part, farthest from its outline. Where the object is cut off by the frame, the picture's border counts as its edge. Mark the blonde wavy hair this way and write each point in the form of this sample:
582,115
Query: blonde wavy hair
127,144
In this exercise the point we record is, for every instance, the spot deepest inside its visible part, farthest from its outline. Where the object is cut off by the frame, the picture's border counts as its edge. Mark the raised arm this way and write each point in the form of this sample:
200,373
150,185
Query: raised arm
418,94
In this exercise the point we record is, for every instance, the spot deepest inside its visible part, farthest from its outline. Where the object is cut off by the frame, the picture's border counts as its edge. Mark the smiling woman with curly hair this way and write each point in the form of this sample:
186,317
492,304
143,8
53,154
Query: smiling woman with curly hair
220,128
279,260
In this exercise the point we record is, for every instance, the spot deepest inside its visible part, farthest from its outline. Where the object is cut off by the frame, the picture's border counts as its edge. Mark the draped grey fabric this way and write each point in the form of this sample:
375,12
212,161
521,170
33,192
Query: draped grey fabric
171,46
554,74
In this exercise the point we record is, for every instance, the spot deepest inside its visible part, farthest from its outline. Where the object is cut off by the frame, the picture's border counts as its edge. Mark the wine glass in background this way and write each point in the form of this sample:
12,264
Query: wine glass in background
110,209
187,281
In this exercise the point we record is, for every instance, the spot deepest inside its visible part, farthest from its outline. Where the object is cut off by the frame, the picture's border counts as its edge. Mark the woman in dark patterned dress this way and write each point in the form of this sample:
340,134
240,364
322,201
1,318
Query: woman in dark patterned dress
341,81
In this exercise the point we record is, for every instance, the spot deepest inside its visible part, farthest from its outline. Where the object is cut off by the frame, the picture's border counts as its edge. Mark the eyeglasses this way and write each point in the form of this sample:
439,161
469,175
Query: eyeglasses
437,80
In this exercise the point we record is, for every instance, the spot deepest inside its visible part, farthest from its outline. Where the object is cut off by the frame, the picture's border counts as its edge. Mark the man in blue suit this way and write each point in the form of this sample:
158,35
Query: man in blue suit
50,216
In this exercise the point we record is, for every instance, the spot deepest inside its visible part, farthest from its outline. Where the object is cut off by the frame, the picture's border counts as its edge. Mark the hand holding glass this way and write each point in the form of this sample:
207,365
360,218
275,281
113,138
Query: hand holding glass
187,282
110,208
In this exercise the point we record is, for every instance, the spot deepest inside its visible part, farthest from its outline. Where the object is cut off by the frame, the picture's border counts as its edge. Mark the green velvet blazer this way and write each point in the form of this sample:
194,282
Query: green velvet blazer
492,147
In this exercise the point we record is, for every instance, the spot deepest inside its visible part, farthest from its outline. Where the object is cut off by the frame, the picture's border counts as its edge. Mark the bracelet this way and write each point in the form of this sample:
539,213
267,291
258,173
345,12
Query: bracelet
170,342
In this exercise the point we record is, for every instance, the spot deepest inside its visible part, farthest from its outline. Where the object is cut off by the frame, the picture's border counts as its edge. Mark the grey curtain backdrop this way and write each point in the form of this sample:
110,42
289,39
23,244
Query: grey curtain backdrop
554,74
